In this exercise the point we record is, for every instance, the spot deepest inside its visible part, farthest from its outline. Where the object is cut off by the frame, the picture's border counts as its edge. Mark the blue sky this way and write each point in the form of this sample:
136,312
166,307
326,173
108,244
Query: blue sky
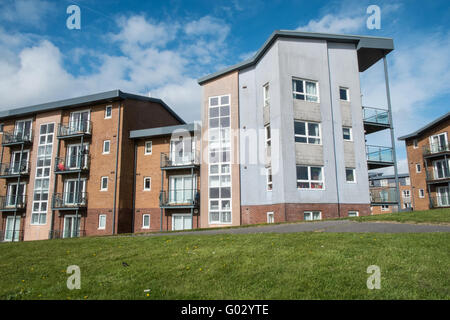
162,47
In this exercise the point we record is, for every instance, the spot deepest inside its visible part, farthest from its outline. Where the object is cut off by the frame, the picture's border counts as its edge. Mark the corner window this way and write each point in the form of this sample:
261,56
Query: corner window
343,94
146,221
148,148
147,184
106,146
347,134
310,177
269,179
312,215
102,222
307,132
108,112
305,90
266,95
350,175
104,184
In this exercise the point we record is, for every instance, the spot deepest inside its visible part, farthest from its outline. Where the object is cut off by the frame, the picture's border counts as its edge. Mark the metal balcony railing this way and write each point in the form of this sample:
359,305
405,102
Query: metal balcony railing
14,169
440,201
7,235
435,148
383,195
74,128
17,137
65,234
176,160
376,115
379,154
72,163
434,174
179,197
9,202
68,200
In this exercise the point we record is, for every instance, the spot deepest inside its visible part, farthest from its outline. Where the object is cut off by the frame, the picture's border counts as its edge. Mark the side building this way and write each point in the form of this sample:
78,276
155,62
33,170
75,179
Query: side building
383,190
67,166
428,155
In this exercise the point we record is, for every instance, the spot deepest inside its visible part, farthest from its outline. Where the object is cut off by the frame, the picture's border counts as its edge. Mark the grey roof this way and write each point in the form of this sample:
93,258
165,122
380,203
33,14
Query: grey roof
162,131
370,49
428,126
108,96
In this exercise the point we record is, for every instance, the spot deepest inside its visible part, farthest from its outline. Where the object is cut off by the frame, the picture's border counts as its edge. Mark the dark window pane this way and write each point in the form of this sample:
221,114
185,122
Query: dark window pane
213,112
303,185
299,128
299,96
214,101
224,111
214,123
313,129
302,173
297,86
225,100
343,94
225,192
225,122
316,173
300,139
213,193
313,140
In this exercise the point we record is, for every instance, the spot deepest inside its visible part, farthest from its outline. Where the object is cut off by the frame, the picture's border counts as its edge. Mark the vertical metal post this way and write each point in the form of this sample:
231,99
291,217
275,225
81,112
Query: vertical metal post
161,195
193,197
52,223
17,193
391,128
430,201
79,196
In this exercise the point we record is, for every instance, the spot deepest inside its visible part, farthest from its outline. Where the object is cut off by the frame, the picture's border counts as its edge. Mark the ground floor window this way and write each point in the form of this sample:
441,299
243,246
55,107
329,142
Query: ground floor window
102,221
353,213
312,215
270,217
146,221
384,207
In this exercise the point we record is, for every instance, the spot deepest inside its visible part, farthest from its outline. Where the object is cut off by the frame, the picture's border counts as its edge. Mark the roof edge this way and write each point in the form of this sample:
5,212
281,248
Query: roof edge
424,128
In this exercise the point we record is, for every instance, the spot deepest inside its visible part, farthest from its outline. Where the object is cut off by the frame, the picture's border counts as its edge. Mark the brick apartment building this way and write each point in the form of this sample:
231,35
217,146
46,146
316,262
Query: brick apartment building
66,168
383,190
428,155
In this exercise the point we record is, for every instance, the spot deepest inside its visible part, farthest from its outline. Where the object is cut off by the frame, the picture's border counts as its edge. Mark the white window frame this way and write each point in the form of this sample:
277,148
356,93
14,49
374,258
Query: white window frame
406,194
110,112
266,94
307,136
100,227
350,132
101,183
384,207
354,175
145,147
311,213
109,147
353,212
437,135
269,182
304,89
347,93
144,226
421,193
435,169
270,217
309,181
418,168
150,188
13,156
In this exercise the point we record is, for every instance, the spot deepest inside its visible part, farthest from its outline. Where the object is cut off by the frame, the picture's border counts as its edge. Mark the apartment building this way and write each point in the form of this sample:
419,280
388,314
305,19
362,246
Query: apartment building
166,188
383,190
67,166
285,132
428,155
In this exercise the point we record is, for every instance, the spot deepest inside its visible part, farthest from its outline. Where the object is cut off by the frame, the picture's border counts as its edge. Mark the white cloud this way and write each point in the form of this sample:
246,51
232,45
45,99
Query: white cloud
334,24
26,12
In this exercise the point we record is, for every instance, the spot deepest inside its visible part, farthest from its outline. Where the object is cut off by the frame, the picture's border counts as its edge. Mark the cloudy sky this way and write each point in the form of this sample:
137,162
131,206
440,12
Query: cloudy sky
162,47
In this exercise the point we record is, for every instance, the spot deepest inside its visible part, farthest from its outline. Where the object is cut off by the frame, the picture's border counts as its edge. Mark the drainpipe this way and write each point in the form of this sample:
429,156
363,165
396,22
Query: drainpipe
134,188
391,128
79,196
52,223
117,166
161,195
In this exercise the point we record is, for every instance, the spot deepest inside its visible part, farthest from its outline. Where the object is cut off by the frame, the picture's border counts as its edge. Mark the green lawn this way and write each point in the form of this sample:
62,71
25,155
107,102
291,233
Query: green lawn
435,216
246,266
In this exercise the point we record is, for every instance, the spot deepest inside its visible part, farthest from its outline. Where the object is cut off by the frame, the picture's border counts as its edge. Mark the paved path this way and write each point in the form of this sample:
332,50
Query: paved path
321,226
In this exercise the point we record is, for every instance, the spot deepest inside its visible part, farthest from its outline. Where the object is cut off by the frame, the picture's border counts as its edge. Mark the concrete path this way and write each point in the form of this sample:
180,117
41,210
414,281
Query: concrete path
321,226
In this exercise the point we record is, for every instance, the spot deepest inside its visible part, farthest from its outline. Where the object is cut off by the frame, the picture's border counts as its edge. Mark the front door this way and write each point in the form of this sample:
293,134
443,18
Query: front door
9,230
71,227
443,196
181,222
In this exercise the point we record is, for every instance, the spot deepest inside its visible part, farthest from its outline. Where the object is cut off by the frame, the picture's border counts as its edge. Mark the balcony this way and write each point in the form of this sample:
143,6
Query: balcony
379,157
9,203
7,235
436,150
438,175
72,164
69,200
440,201
383,196
175,161
375,119
14,170
65,234
179,198
14,138
74,129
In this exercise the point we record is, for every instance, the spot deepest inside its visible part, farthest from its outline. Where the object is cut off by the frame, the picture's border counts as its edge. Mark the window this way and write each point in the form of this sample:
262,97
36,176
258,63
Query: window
269,179
266,95
441,169
307,132
406,194
384,207
42,177
108,112
146,221
421,193
353,213
102,222
2,125
148,147
312,215
104,184
343,94
309,177
347,133
415,144
350,175
418,168
406,205
384,182
147,184
106,146
270,217
407,181
439,143
305,90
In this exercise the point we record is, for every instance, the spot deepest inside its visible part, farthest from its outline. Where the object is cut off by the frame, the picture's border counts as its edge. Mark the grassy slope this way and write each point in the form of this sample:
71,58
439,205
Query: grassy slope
435,216
252,266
